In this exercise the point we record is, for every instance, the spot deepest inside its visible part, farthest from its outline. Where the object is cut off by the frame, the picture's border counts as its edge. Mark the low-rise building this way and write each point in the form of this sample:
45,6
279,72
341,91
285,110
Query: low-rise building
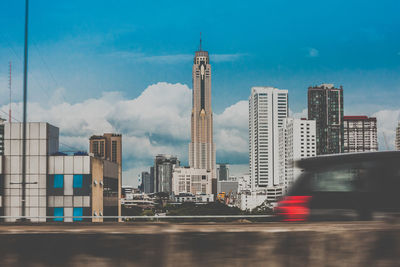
248,200
191,181
56,184
197,198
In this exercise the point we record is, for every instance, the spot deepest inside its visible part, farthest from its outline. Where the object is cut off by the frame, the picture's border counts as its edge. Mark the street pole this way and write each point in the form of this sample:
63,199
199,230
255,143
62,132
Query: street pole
24,113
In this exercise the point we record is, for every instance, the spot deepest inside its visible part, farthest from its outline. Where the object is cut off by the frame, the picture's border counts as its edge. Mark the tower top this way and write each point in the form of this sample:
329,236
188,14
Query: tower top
200,42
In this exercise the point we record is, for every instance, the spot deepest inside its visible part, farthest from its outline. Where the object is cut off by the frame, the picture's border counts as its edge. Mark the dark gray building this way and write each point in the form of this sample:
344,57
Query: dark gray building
163,168
325,106
152,180
222,171
148,182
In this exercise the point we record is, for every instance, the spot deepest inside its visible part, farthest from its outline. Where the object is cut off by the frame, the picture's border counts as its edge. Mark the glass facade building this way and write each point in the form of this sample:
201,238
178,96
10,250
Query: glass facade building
325,106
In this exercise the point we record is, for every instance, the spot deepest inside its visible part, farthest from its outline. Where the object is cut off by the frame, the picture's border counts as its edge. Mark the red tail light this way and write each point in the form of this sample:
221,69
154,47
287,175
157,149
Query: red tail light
294,208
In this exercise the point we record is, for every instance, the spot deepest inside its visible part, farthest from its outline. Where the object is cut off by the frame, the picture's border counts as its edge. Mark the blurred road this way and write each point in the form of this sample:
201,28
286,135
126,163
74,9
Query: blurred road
201,244
166,227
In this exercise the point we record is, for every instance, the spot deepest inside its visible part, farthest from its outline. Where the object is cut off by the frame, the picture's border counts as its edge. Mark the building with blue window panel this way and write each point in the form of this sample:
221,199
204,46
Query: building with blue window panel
58,212
60,185
78,180
78,213
58,181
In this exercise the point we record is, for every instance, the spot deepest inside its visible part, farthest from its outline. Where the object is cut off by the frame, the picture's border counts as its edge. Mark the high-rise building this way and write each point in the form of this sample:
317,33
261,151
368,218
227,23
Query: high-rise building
163,169
325,106
152,180
222,171
109,147
201,147
360,134
268,107
296,141
2,136
397,141
147,182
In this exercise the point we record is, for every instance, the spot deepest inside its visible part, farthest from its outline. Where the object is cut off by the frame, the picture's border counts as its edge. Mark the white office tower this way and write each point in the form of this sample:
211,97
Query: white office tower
268,107
42,140
296,141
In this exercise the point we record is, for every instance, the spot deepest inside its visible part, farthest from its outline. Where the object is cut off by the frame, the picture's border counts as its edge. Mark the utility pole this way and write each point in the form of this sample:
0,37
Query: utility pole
24,113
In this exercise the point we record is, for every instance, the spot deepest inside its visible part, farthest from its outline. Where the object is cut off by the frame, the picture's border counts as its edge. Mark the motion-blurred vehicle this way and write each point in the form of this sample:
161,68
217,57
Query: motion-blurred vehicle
356,183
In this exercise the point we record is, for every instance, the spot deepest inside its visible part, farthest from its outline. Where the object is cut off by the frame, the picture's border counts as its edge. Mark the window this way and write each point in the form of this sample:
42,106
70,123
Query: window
78,180
114,151
58,181
78,212
58,212
340,180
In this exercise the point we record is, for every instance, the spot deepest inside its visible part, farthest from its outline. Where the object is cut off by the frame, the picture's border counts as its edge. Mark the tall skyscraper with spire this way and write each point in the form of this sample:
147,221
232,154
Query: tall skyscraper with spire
201,147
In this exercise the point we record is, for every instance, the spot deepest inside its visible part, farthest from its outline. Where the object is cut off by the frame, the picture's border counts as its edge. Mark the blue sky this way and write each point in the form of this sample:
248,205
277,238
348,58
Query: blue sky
80,50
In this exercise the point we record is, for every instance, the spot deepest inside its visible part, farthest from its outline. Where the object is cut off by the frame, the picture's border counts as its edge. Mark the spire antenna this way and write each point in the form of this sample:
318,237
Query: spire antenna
200,42
9,111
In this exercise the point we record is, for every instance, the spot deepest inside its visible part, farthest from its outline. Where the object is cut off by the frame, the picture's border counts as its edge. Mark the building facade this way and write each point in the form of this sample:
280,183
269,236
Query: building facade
82,186
188,180
268,107
249,199
360,134
297,140
109,147
201,147
325,106
397,141
2,136
228,186
148,182
163,168
56,184
222,172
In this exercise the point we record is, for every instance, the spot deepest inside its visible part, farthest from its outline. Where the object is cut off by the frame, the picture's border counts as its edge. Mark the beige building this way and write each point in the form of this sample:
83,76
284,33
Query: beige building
201,147
109,147
191,181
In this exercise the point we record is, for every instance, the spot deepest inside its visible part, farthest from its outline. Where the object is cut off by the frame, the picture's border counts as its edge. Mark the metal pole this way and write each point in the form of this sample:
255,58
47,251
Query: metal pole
9,109
24,111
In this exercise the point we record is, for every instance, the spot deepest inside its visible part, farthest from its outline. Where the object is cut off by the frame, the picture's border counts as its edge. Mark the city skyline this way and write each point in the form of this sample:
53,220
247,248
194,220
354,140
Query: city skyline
72,94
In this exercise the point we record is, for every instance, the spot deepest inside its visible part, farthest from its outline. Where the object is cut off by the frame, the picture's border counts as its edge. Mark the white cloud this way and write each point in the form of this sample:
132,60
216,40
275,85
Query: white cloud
387,122
157,121
299,115
231,128
312,52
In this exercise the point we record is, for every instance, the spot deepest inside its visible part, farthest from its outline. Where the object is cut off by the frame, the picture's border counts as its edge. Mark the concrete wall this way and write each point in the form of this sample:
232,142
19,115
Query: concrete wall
199,245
